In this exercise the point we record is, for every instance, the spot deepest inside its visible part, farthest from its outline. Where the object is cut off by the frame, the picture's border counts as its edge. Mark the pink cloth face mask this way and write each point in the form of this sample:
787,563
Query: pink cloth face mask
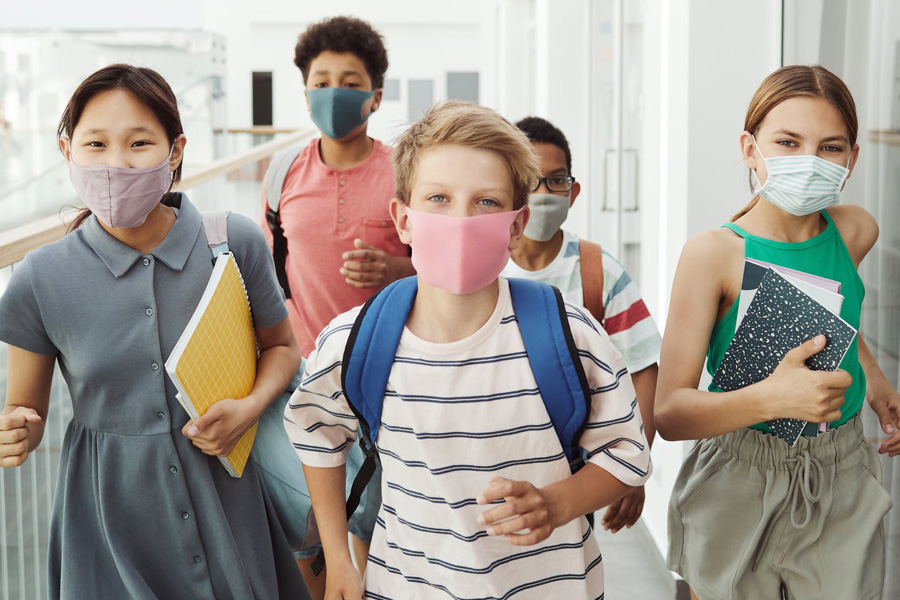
119,196
460,254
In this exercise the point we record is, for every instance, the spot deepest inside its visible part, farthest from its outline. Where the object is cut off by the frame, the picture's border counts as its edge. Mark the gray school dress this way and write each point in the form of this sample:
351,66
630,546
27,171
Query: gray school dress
139,512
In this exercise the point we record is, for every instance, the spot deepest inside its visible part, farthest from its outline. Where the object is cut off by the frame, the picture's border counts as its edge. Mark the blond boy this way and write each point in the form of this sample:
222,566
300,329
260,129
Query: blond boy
479,500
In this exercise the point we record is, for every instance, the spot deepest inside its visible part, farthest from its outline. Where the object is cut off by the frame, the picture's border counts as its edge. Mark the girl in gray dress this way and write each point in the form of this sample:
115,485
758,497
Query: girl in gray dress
143,509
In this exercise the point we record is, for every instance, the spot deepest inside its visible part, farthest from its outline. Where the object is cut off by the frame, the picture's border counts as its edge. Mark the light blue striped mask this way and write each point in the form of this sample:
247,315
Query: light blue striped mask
801,184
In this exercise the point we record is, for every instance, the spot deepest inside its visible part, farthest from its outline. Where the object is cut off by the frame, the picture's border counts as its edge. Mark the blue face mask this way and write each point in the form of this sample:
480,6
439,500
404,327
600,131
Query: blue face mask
337,111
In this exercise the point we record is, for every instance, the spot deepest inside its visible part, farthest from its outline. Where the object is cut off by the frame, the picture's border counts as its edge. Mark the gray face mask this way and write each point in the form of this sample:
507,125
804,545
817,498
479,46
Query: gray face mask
548,213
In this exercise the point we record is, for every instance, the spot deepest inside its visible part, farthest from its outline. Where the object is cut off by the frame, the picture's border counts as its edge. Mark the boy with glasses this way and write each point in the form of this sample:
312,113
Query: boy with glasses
590,277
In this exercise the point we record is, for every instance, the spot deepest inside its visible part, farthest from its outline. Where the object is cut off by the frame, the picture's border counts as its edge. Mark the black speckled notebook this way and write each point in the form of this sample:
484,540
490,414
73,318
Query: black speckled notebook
780,318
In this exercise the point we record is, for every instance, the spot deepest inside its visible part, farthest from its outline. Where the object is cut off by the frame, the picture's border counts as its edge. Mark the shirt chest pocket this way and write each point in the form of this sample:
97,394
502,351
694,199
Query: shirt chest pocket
378,232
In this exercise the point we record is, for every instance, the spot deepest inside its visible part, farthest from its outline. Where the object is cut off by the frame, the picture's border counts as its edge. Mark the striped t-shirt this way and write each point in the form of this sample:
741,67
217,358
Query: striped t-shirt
625,318
455,415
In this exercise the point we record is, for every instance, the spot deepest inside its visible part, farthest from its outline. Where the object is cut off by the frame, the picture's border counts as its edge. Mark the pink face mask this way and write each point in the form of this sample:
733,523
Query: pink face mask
460,255
119,196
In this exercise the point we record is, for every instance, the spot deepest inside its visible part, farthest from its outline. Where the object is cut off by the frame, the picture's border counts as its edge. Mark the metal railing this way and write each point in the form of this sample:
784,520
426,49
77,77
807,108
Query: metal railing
16,243
26,492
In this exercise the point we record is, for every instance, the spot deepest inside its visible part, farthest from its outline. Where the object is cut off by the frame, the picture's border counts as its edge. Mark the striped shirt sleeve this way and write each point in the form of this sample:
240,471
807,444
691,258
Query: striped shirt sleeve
614,435
626,318
317,418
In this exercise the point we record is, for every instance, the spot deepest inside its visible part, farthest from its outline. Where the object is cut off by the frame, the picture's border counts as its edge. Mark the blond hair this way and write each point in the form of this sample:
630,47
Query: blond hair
471,126
798,81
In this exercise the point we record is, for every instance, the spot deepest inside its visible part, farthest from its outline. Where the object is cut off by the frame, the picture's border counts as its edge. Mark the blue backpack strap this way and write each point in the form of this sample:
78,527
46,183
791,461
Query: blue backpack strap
365,369
370,350
554,361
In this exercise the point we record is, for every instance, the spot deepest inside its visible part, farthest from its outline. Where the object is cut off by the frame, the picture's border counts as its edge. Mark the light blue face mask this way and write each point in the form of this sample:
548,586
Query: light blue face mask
337,111
801,184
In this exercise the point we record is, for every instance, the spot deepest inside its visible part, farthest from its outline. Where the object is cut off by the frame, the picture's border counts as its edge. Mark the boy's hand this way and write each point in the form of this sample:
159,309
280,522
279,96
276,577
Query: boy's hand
624,512
221,426
343,583
14,445
525,508
371,267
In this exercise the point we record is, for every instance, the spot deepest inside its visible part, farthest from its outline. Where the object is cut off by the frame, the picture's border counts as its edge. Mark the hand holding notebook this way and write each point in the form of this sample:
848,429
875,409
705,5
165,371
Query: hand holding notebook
807,394
780,318
214,360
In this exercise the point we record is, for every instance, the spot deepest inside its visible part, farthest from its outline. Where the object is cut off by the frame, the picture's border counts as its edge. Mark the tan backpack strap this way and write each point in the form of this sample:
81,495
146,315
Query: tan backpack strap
592,277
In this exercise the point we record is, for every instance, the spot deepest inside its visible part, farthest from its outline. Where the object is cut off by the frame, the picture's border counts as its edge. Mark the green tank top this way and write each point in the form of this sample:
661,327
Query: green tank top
824,255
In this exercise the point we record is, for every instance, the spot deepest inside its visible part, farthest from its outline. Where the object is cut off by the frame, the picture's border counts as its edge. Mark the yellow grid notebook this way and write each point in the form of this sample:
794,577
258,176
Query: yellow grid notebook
215,357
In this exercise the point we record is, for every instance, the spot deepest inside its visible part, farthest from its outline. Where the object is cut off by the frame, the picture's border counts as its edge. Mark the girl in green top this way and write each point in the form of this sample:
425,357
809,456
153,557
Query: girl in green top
750,516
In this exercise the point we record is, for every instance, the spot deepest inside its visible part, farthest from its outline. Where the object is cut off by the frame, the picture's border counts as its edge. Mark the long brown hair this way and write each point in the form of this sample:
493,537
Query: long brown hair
148,87
798,81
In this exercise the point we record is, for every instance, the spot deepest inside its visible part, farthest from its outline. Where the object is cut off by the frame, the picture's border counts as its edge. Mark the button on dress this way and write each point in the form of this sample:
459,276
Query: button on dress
139,512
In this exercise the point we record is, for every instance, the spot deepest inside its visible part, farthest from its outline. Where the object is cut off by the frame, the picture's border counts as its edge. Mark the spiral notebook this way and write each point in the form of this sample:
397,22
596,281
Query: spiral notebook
215,357
780,318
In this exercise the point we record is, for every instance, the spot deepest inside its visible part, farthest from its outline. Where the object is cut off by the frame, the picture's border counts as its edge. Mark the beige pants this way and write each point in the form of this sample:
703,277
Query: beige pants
750,516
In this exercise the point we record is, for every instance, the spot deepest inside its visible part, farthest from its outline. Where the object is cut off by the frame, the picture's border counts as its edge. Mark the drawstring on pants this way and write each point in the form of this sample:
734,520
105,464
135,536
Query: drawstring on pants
804,490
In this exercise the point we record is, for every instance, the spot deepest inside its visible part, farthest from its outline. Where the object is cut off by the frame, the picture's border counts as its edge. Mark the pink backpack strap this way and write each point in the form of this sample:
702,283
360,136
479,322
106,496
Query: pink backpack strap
215,225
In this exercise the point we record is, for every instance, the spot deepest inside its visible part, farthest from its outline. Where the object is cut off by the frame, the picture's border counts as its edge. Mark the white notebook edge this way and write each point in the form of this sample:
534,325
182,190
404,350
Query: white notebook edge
214,279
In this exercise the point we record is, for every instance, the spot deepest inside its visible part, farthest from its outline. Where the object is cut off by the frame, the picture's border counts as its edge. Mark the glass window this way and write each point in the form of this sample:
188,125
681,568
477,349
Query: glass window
421,97
860,42
391,89
462,86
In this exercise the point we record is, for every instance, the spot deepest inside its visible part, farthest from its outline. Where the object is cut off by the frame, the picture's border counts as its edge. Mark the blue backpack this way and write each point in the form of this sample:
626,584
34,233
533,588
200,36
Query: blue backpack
554,359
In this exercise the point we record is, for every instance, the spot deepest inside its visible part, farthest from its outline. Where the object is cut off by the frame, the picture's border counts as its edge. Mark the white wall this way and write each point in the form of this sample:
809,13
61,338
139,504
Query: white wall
700,62
412,54
712,56
102,14
424,40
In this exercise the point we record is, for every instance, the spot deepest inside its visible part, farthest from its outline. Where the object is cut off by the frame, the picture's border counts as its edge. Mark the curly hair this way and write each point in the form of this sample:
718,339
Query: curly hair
543,131
343,34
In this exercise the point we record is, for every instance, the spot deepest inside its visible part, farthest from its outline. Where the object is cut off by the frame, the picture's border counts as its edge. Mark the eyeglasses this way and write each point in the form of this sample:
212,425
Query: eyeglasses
556,183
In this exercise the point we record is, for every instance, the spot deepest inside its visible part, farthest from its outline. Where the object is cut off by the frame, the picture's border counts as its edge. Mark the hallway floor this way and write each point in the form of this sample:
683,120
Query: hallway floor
633,566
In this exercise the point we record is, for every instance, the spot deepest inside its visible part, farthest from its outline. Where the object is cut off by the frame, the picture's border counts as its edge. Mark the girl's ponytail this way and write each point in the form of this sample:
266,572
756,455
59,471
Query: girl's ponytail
746,209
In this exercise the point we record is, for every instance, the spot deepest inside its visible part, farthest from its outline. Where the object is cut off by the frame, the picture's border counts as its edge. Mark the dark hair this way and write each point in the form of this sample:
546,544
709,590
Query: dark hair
542,131
799,81
148,87
343,34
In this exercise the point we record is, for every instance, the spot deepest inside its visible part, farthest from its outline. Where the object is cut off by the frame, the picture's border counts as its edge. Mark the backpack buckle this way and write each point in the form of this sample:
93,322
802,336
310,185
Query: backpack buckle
576,463
367,447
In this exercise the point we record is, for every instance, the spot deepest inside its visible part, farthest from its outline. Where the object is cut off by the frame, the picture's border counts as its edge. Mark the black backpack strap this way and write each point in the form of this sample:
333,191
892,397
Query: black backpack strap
279,250
363,476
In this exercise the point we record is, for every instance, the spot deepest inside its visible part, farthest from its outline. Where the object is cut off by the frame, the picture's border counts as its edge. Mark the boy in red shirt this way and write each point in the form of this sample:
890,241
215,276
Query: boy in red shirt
341,245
